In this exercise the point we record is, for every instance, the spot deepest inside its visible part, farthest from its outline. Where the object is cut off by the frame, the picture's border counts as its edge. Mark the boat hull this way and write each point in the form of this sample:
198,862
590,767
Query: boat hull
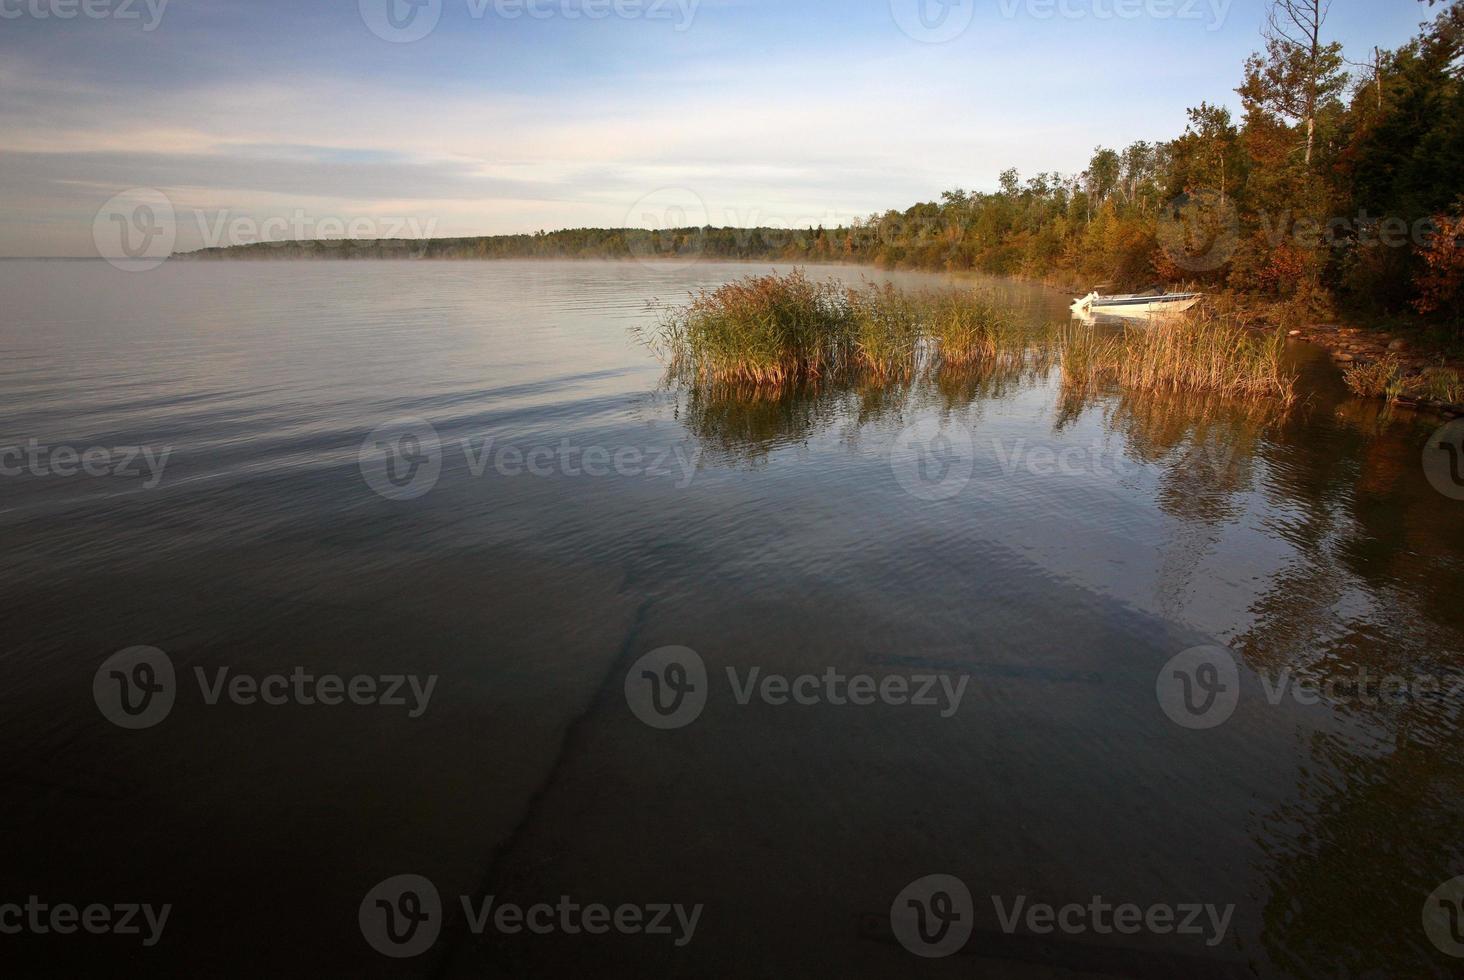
1136,307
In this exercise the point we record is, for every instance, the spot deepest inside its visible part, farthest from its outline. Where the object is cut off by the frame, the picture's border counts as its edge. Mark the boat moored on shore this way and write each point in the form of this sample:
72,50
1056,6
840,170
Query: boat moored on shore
1135,306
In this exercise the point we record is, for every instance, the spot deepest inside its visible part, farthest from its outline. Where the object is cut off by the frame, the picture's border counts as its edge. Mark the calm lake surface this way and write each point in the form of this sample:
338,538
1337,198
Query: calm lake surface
557,512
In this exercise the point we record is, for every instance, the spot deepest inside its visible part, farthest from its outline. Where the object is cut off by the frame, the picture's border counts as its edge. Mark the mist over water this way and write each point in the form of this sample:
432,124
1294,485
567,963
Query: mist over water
561,510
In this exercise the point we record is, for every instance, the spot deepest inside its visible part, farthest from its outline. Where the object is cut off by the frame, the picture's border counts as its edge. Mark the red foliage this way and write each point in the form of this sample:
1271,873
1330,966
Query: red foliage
1441,285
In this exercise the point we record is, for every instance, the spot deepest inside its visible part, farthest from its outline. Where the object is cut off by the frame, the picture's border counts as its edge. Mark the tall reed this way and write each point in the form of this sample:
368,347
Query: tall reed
970,326
1190,353
773,329
762,329
886,329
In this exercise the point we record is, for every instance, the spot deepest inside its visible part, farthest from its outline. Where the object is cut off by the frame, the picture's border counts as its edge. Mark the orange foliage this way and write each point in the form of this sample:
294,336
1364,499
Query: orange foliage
1287,266
1441,286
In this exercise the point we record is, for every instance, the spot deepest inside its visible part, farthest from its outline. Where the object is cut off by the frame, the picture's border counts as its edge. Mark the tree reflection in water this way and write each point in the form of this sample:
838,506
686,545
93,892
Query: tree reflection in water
741,425
1369,590
1366,577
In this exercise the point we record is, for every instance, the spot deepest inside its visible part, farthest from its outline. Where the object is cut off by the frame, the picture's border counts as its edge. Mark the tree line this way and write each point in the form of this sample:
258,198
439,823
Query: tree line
1341,181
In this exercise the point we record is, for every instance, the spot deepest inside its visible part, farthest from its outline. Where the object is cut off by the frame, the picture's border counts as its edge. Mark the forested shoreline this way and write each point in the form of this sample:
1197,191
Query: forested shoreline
1341,184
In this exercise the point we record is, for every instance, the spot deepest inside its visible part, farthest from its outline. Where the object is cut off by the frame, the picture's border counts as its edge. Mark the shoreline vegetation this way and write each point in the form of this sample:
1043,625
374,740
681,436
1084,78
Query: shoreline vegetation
1304,212
1421,372
1200,352
771,330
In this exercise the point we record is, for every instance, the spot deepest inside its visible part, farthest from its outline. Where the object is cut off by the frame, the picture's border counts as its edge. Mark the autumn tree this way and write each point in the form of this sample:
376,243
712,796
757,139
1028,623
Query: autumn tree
1299,76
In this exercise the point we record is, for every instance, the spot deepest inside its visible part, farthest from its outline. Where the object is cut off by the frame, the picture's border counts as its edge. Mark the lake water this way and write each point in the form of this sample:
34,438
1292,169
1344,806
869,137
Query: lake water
472,472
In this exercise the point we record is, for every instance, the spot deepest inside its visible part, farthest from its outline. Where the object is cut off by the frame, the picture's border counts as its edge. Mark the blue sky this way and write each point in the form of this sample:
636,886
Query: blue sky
783,112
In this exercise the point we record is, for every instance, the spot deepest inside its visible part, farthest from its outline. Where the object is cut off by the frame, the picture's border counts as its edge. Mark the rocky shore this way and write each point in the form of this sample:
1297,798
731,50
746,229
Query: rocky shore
1354,346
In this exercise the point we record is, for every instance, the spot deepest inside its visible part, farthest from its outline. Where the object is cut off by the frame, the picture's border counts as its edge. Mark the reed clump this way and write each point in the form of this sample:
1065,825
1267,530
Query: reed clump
760,330
773,329
886,330
1191,353
970,327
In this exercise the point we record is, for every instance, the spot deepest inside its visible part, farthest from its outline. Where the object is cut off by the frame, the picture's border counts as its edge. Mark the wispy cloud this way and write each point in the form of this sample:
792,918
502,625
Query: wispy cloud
785,113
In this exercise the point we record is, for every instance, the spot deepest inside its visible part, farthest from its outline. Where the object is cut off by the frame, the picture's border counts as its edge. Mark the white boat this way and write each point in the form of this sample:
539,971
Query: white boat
1135,306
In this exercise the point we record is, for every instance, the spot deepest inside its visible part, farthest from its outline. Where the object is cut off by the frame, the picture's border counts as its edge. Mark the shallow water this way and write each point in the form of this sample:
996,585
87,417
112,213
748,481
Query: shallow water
563,512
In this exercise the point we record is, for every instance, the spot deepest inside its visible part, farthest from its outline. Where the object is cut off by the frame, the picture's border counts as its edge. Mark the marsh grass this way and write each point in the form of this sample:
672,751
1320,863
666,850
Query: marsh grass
1384,378
1438,384
886,330
774,329
759,330
970,327
1194,353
